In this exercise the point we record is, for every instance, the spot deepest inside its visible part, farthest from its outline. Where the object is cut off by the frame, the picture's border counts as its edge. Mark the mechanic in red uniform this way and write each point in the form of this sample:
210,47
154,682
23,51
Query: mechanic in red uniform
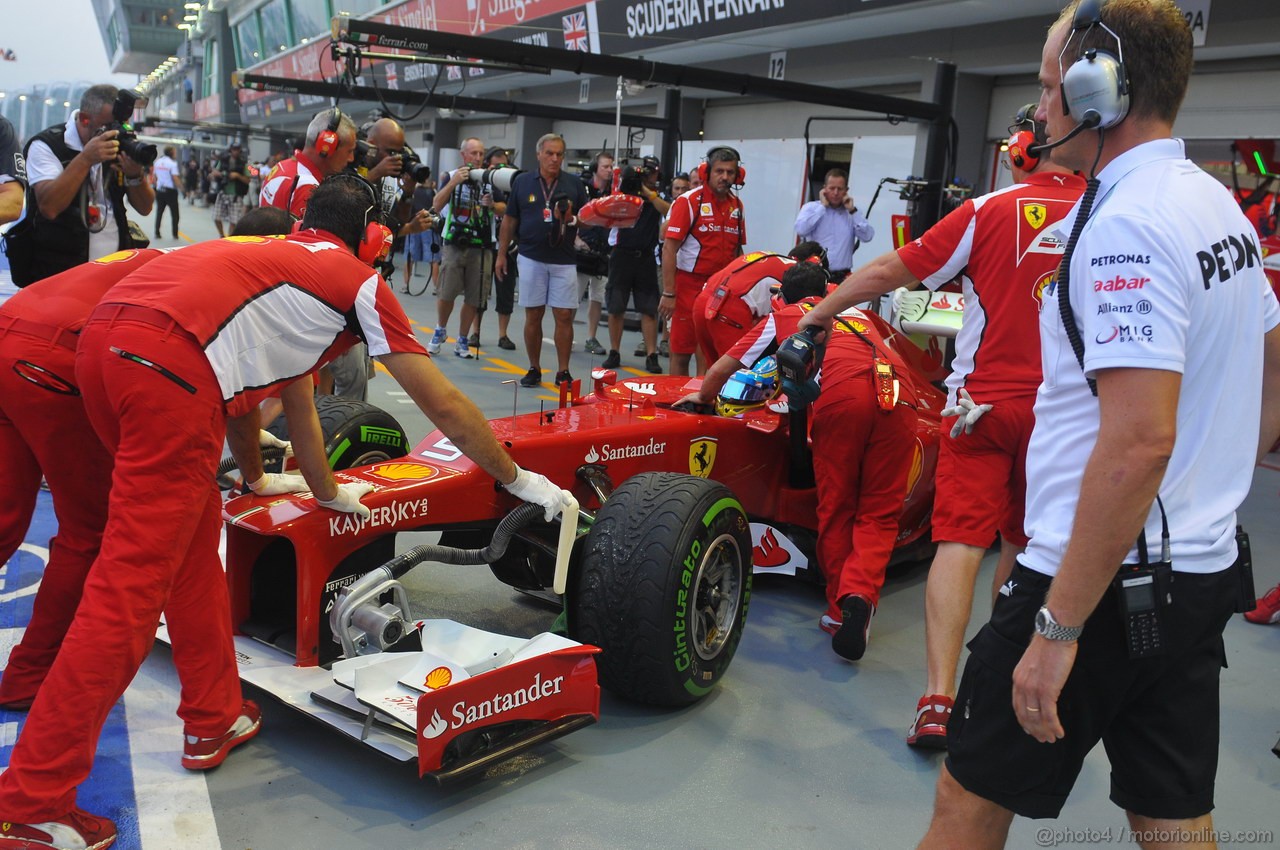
171,352
705,231
739,295
329,147
43,428
863,446
1005,247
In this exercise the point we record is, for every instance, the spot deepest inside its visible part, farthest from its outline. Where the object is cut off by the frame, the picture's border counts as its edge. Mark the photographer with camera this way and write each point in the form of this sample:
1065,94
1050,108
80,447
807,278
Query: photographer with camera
468,231
505,285
592,247
79,176
633,274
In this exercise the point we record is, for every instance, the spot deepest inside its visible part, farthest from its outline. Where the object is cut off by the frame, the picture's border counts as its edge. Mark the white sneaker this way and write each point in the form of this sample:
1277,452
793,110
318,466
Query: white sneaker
439,338
462,349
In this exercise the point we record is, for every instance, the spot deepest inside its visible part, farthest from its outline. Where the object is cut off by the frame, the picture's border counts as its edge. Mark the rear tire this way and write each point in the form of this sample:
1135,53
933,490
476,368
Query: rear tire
356,433
663,587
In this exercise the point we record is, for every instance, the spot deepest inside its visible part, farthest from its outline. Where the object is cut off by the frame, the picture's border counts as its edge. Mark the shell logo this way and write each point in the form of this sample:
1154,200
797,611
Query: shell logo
917,468
252,240
117,257
436,727
402,471
438,678
1043,285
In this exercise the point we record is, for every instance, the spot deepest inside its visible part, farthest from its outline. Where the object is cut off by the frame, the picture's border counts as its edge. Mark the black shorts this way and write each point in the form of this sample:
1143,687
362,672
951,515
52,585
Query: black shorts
633,274
1156,717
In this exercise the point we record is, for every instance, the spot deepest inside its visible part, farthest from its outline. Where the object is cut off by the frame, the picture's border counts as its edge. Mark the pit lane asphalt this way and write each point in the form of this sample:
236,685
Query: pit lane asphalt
795,748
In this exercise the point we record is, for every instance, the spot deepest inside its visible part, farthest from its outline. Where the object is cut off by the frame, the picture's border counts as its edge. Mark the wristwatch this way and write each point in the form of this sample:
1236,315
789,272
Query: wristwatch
1050,629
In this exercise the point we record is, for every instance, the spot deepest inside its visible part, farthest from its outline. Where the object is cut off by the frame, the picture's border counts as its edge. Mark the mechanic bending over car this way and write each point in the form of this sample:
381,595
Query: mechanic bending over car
741,294
43,427
1001,245
863,438
172,362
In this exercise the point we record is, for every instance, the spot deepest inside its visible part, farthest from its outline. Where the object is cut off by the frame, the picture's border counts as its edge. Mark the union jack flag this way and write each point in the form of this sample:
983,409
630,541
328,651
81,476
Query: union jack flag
575,31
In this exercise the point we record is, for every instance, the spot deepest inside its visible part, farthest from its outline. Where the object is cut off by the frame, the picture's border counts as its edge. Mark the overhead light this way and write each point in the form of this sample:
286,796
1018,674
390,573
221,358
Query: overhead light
191,5
48,101
66,103
22,97
184,26
190,17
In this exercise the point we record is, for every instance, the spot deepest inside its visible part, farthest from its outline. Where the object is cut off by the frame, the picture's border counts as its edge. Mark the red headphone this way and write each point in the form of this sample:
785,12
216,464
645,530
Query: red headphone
327,141
1019,146
739,178
375,241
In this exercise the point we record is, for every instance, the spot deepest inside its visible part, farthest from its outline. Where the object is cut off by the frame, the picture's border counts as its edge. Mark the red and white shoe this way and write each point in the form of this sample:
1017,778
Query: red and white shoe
1268,611
829,624
929,729
206,753
79,830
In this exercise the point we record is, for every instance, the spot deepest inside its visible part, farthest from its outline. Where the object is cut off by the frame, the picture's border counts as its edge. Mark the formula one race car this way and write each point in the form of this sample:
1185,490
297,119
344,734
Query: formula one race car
654,573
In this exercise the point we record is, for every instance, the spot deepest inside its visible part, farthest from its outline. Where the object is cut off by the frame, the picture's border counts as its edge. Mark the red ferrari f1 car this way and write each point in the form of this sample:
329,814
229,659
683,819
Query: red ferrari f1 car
654,572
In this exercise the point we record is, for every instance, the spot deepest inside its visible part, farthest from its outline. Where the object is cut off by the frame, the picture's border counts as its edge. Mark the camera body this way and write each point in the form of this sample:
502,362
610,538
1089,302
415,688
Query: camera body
412,164
631,179
121,111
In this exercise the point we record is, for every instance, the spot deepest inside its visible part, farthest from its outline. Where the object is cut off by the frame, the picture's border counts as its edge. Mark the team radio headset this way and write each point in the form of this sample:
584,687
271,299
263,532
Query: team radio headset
375,238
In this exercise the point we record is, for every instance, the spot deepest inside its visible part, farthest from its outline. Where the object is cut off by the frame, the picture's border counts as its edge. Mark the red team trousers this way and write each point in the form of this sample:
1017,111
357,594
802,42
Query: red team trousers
43,427
861,461
159,553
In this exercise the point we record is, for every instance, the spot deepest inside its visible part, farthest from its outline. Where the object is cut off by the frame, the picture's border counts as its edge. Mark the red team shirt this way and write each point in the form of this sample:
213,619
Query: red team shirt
278,309
1003,246
66,300
711,231
290,184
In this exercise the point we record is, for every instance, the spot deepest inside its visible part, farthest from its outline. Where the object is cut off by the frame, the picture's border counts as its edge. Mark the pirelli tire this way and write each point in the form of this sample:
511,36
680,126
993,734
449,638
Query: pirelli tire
356,433
662,587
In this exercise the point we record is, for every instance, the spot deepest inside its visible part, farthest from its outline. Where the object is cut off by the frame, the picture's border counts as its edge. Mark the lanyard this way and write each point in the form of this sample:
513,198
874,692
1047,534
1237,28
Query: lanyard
547,189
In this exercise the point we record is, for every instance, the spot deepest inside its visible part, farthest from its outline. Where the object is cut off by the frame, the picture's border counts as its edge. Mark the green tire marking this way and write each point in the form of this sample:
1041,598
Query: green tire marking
696,690
727,501
339,451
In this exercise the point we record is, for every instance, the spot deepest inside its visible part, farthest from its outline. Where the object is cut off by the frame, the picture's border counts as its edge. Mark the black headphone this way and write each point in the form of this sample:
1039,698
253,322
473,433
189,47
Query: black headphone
738,179
1095,88
327,141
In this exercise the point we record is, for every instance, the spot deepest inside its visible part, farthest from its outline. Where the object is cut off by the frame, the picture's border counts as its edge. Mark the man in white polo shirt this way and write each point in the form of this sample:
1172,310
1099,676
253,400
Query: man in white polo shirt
1162,304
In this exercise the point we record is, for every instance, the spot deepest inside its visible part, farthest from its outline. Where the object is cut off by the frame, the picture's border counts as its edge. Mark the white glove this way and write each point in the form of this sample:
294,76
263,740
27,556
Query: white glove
267,440
535,488
275,484
347,500
967,414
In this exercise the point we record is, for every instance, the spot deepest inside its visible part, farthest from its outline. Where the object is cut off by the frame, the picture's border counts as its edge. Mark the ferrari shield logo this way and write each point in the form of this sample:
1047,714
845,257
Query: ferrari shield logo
1036,215
702,456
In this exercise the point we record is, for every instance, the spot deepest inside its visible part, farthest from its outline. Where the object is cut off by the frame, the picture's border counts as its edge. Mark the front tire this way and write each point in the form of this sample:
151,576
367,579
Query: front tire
356,433
663,587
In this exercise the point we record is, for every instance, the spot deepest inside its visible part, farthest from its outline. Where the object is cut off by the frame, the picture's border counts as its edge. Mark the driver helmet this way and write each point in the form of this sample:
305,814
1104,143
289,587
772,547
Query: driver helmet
748,389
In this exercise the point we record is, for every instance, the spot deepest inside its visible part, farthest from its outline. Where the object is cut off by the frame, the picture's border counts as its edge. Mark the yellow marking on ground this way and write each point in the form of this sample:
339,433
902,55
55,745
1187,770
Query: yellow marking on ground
504,367
635,371
186,237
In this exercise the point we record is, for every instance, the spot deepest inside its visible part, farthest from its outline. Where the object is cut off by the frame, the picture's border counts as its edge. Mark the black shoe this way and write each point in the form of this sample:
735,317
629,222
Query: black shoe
563,377
506,344
612,361
850,641
651,363
531,378
664,348
474,340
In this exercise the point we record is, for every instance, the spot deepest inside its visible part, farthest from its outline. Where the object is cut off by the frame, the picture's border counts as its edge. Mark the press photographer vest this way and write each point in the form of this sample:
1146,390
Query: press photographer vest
63,242
468,222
